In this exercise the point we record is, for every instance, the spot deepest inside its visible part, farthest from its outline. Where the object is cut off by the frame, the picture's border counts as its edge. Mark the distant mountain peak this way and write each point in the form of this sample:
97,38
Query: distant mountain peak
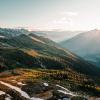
85,45
94,31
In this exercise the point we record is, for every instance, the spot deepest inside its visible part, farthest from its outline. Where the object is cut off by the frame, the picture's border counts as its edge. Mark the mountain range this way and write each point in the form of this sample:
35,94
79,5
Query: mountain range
57,35
33,67
20,45
85,45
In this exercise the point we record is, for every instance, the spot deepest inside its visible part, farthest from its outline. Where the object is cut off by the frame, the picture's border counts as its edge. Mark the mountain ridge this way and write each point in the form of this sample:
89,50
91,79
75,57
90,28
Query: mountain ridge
46,48
85,45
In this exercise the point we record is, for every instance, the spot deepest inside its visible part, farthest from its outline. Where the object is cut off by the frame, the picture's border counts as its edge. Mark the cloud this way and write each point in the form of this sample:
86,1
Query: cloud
69,13
65,19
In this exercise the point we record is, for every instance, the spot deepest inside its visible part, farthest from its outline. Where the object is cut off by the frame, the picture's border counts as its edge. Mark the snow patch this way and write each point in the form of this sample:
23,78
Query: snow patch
45,84
63,88
24,94
1,92
33,98
65,91
2,36
37,39
8,98
20,83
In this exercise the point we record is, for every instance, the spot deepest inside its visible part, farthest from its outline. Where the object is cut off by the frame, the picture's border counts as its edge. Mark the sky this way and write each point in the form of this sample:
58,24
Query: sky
50,14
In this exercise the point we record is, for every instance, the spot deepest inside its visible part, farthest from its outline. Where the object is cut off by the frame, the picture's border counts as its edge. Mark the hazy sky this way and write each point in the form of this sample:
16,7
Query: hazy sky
50,14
